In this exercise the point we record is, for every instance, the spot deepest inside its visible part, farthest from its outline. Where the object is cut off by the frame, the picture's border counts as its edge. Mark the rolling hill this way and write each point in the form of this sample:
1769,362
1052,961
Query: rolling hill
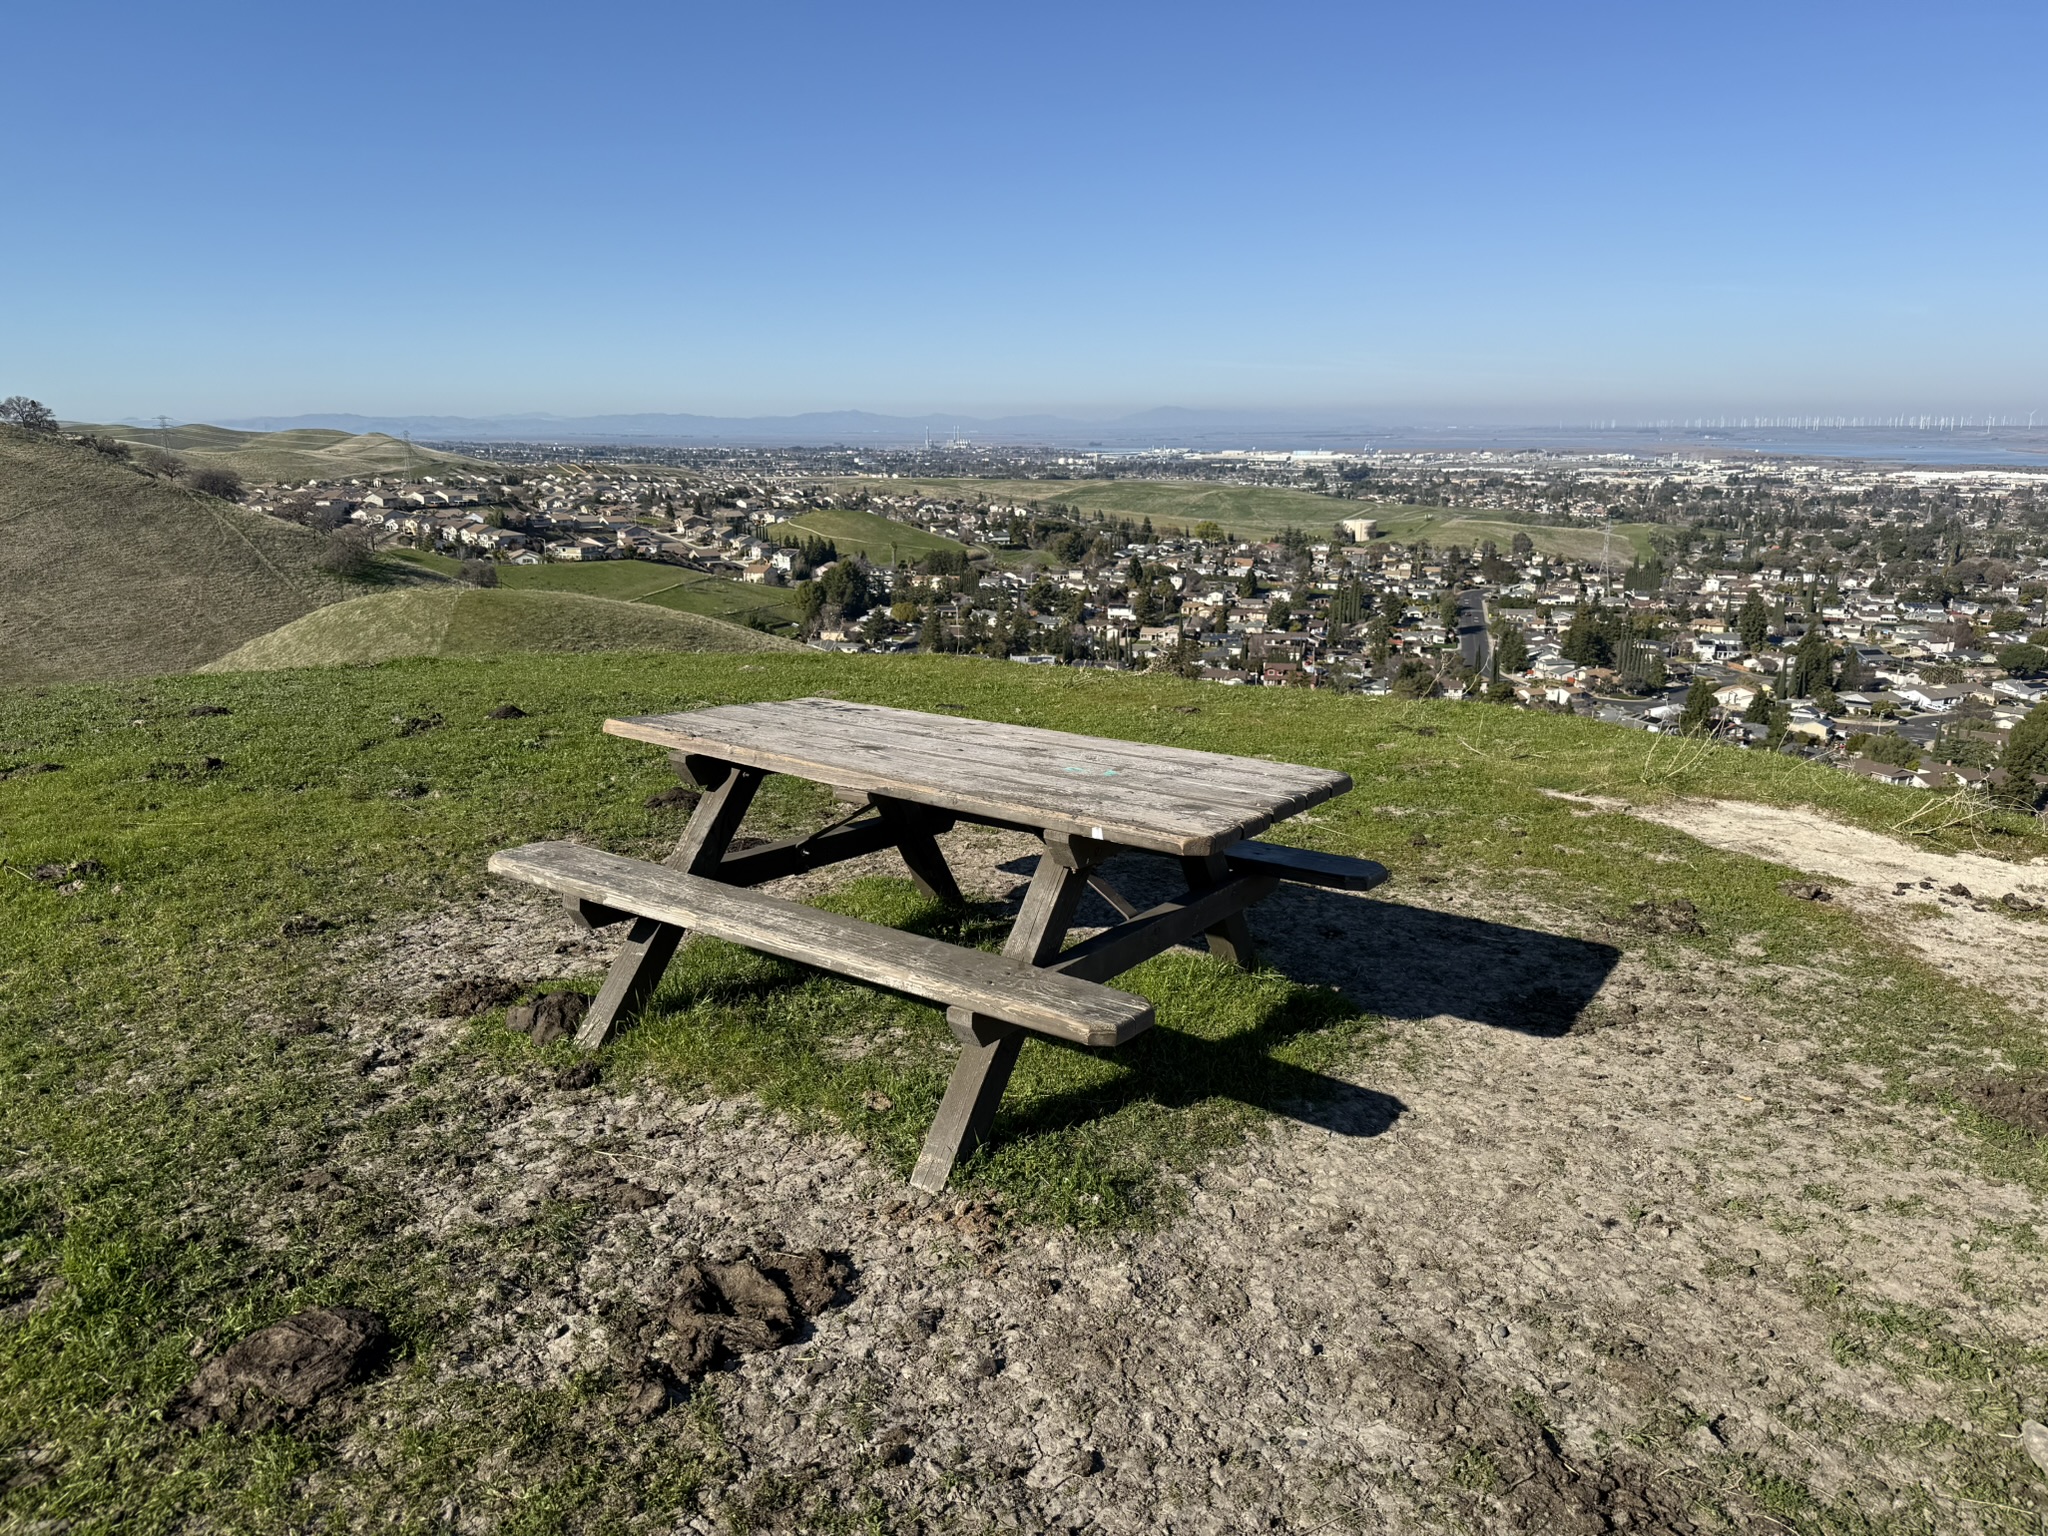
641,581
306,453
106,572
880,540
482,622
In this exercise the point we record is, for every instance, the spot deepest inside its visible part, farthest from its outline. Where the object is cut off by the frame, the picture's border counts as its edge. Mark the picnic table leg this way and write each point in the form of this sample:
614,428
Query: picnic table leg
650,945
989,1047
920,849
1231,939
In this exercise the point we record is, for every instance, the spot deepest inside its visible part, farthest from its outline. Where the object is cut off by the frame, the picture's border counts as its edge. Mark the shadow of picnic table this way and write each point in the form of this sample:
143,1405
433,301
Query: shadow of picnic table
1377,956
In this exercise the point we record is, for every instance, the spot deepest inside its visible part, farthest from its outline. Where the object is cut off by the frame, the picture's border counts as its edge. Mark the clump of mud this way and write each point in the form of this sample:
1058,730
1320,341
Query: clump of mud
722,1311
277,1374
2018,1101
469,996
550,1017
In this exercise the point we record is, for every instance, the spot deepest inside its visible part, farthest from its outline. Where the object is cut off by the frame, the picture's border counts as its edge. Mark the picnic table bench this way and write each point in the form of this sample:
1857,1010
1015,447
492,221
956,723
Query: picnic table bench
911,777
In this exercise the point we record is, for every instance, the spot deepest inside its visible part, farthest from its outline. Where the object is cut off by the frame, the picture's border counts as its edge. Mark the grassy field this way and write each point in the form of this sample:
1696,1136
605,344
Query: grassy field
305,453
1261,512
1443,527
164,1096
467,621
640,581
105,572
882,540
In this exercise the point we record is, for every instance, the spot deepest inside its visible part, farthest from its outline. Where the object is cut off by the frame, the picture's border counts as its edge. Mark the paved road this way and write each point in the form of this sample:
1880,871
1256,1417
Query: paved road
1474,642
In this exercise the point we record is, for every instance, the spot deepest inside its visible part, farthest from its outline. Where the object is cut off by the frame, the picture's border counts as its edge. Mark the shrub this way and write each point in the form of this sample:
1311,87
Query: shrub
215,481
478,573
2026,757
158,462
112,447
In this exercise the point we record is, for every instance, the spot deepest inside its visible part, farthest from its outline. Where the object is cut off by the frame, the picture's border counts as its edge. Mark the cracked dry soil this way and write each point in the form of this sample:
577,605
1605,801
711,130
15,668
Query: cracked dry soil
1545,1269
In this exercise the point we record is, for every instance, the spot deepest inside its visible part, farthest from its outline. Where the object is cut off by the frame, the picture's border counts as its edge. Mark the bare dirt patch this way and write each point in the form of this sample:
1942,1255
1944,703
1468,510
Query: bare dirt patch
1957,910
1590,1272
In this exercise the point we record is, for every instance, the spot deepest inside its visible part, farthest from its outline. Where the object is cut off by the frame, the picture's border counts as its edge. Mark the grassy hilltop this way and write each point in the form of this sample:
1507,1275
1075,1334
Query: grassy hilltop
227,900
304,453
455,621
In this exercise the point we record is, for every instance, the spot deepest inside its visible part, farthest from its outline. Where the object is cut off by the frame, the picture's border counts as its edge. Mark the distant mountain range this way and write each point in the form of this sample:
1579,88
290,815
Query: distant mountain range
1178,427
1166,427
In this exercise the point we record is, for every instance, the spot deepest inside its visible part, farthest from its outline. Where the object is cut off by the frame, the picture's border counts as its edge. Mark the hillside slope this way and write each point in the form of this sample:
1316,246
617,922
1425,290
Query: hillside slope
107,573
459,622
306,453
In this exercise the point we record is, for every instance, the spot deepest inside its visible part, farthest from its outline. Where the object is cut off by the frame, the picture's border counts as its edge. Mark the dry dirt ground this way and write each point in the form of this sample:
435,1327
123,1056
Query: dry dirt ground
1945,906
1555,1258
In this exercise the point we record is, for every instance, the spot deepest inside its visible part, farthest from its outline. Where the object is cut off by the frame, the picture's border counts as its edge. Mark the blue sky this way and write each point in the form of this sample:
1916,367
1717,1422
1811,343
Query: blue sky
1445,212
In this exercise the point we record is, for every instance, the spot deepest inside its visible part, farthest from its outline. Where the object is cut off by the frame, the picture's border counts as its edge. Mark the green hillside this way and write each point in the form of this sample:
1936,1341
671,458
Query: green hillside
106,572
482,622
640,581
305,453
1253,512
1756,1184
880,540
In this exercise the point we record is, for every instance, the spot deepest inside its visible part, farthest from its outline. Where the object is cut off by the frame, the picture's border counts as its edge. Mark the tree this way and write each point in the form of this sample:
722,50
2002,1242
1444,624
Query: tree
2026,758
478,573
2024,660
347,555
1381,635
1759,711
1523,546
1699,708
167,465
1812,664
216,481
29,415
930,639
1510,650
1279,616
1209,533
1585,640
1754,624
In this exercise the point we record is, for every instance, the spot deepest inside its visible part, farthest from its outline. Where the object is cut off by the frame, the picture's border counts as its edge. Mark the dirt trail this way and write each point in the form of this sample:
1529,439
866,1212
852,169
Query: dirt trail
1945,906
1559,1262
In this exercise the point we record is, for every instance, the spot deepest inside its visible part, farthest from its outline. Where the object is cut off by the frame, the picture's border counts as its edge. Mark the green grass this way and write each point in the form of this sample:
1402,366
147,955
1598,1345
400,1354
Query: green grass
1254,512
881,540
1443,527
158,1101
482,622
673,587
106,572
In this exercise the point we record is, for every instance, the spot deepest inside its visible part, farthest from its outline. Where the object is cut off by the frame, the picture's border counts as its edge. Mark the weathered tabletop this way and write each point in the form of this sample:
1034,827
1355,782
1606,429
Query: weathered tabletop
1164,799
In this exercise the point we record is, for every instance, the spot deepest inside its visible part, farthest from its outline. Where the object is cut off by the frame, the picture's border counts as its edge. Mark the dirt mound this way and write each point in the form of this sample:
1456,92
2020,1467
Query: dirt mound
468,996
550,1017
276,1374
2018,1101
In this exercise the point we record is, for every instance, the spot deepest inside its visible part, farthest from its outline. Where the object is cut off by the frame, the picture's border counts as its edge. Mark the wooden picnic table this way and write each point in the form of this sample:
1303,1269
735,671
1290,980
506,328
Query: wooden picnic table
912,777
